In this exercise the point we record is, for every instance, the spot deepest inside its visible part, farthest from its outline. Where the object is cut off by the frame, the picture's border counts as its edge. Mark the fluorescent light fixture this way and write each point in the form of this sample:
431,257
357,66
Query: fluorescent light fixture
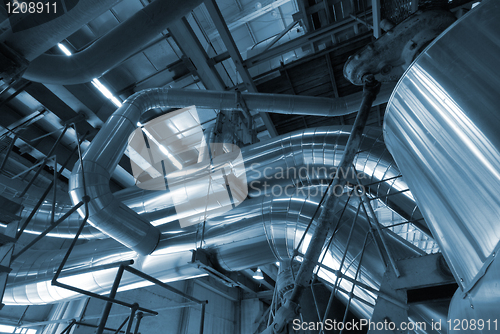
105,91
258,274
64,49
163,149
7,329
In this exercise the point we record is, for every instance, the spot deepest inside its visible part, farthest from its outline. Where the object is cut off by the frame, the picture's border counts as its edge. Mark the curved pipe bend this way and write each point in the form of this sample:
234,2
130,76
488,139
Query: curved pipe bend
110,215
113,48
257,232
316,149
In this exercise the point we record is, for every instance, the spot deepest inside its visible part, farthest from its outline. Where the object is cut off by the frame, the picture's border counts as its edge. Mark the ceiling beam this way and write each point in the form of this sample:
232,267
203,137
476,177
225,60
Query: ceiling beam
296,43
234,53
185,38
249,14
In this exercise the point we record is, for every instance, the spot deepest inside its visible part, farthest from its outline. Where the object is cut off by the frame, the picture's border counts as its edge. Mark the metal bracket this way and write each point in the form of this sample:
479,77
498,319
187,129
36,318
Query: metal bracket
388,57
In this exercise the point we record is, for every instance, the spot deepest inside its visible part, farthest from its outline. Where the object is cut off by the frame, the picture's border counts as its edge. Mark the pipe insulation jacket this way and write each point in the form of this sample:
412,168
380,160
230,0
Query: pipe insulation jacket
38,33
107,213
315,151
111,49
257,232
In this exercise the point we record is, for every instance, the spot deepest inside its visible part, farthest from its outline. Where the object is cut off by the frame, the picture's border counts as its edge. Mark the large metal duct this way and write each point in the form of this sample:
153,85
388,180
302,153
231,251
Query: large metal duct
38,33
115,219
257,232
309,157
441,126
109,50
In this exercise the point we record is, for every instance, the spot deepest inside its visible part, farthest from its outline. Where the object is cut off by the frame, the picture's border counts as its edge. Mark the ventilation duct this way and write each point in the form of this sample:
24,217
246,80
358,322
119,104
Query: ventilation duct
111,49
257,232
115,219
312,151
38,33
441,125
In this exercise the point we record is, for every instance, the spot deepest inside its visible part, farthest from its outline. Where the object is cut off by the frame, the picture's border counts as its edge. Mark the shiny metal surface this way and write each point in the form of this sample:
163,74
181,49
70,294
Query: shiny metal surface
42,36
33,274
103,154
441,126
258,102
259,231
67,229
111,49
105,212
481,303
304,157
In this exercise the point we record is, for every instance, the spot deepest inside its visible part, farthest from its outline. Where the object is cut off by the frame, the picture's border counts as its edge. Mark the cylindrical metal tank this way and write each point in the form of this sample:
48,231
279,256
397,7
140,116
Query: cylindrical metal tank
442,127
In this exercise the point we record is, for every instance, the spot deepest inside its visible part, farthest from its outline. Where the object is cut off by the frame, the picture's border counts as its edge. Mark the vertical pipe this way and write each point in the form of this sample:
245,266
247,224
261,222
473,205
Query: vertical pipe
138,322
131,319
202,319
112,294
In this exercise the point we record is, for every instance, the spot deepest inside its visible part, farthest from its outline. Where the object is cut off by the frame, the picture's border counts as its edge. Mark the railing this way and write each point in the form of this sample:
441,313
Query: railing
136,311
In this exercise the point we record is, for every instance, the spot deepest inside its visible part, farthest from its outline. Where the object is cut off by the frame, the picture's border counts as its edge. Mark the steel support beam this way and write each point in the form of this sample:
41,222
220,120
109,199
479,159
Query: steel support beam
280,35
296,43
234,53
377,31
248,15
421,272
191,47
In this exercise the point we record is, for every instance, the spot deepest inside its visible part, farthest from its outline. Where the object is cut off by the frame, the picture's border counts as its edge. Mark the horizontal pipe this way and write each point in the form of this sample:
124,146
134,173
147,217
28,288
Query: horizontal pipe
107,213
111,49
34,35
314,151
257,232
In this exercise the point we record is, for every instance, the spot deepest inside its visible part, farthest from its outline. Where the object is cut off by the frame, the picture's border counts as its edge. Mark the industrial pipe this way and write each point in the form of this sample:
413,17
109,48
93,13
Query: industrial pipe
257,232
315,151
115,219
111,49
327,217
441,125
38,33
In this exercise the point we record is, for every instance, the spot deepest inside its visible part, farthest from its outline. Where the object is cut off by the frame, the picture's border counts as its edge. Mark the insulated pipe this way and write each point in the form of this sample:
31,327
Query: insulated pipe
257,232
308,156
37,33
67,229
111,49
441,126
326,219
259,102
102,156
